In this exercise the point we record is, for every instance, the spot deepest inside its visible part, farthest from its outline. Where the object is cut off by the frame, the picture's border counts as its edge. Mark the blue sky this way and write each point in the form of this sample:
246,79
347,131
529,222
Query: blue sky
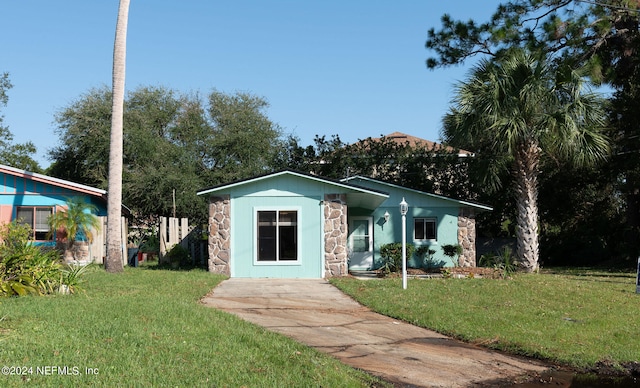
353,68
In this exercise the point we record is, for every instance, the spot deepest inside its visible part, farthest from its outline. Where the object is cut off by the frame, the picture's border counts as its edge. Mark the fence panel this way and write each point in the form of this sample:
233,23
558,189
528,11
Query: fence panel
174,231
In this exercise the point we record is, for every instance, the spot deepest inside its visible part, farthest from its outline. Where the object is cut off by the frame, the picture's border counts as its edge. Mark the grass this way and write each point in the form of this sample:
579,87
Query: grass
145,327
576,317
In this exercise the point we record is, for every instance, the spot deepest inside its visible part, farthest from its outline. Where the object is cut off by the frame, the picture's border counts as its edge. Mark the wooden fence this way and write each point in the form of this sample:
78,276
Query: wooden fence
173,231
98,248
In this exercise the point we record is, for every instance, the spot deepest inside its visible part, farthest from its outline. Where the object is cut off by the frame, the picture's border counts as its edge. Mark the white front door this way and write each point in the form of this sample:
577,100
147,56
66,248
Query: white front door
361,243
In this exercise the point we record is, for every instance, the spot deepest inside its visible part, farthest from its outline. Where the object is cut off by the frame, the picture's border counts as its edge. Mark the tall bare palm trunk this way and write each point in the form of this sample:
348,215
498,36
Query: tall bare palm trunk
114,204
527,159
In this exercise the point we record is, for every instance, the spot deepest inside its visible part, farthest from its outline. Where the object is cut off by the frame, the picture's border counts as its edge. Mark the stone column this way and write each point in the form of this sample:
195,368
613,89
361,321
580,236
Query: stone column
335,235
220,234
467,237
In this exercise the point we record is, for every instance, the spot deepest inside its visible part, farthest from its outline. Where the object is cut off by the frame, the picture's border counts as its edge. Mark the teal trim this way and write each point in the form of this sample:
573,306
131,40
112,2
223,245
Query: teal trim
388,187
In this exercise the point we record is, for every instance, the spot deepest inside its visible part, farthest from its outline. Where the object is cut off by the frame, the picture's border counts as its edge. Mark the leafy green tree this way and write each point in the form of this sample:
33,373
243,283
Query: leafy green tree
418,166
518,108
77,222
244,142
172,142
605,36
83,134
14,155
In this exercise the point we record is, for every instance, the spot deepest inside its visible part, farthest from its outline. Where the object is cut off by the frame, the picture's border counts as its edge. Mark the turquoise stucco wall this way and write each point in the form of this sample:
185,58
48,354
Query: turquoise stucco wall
281,192
420,206
244,237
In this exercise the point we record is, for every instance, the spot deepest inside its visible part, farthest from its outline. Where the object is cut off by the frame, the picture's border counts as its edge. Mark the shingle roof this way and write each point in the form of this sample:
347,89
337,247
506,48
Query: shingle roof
413,141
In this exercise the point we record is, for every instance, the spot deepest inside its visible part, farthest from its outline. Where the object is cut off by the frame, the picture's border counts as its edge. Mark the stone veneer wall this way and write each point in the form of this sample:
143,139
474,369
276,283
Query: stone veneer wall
220,234
467,237
335,235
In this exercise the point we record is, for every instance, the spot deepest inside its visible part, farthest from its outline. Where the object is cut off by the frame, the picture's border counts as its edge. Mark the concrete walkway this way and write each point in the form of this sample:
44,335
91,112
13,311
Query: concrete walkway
315,313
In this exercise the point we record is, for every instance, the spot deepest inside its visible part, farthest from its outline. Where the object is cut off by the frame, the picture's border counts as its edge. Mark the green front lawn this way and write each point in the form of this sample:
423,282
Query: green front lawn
576,317
145,327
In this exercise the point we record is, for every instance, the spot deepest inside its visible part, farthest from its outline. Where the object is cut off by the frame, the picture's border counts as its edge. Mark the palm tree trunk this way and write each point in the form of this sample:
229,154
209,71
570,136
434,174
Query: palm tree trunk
113,263
527,159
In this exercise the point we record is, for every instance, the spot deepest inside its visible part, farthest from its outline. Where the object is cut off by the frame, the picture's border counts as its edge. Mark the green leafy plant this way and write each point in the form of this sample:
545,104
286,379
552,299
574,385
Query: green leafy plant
391,255
425,254
504,262
150,243
453,252
178,256
72,278
76,223
24,267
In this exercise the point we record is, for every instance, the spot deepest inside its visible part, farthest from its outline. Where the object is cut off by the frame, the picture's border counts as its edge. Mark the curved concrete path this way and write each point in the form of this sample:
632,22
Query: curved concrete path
315,313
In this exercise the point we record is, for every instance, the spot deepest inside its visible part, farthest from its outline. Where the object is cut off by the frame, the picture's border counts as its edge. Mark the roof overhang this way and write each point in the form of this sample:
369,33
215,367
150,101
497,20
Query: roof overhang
52,181
357,196
463,203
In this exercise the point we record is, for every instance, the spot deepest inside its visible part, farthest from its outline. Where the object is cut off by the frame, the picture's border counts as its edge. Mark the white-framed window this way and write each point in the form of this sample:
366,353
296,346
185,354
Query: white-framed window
277,235
425,229
37,218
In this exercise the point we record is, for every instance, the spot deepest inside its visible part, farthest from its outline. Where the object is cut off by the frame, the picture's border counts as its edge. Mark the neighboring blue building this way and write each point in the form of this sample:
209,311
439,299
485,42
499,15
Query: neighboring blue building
33,197
293,225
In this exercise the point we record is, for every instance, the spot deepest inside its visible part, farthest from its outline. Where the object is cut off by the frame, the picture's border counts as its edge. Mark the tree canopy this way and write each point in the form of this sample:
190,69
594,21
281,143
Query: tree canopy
604,39
517,108
12,154
173,143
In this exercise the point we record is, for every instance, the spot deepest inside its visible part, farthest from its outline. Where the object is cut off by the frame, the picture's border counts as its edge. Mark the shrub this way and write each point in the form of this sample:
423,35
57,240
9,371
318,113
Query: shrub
29,269
425,254
453,251
391,255
178,256
504,261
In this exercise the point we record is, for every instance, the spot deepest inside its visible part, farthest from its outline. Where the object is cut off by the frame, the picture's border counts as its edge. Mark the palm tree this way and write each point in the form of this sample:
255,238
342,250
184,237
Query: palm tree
75,223
113,262
518,108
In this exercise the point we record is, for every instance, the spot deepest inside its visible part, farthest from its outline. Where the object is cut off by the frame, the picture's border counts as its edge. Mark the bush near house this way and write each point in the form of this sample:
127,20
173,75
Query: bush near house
391,255
29,269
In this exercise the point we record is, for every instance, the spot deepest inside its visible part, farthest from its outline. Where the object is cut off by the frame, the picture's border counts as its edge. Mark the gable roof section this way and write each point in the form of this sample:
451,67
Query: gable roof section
476,206
356,195
52,181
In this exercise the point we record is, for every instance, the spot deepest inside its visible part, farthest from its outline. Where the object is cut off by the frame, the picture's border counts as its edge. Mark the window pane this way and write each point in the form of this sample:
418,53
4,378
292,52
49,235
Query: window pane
42,216
267,236
361,227
430,229
267,218
360,243
288,218
288,235
424,229
25,216
288,243
418,229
